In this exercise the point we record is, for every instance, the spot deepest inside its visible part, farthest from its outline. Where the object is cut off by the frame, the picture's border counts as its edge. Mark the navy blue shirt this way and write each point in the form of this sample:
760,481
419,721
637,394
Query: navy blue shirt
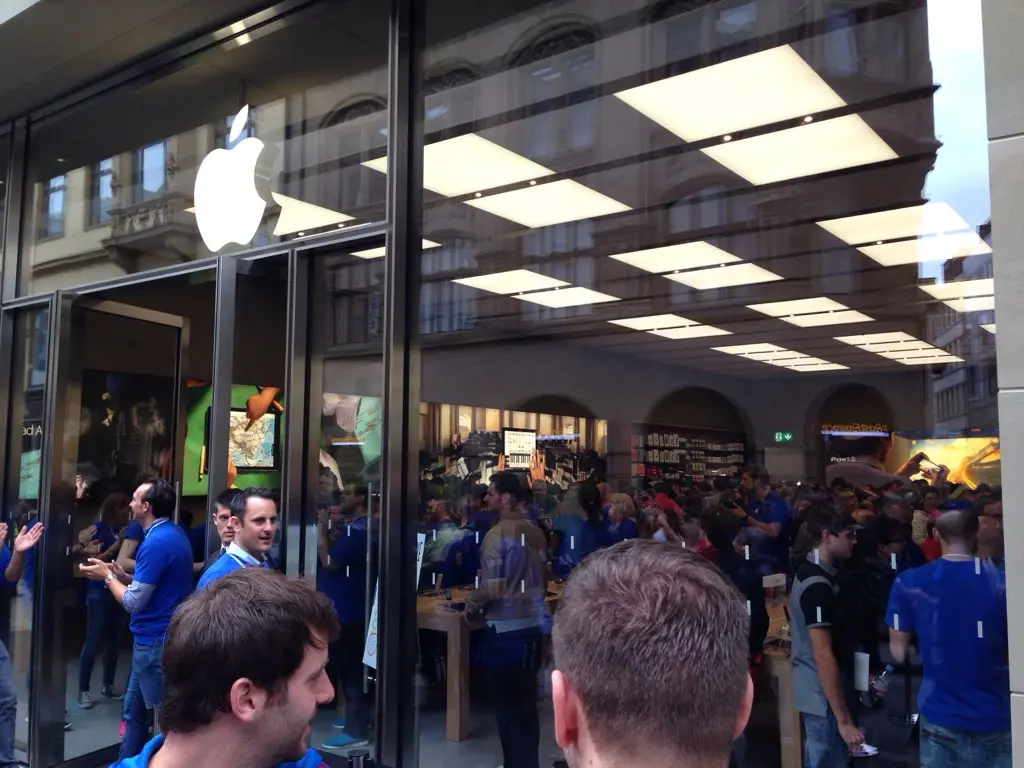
773,509
134,531
627,529
966,682
345,581
30,559
164,560
105,535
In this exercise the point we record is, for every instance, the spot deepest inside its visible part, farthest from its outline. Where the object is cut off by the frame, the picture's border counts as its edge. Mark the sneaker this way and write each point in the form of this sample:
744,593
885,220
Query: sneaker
110,692
339,723
85,700
344,741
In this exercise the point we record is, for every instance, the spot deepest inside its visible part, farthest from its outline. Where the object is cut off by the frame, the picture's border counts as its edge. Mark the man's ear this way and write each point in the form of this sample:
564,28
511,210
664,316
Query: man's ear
746,703
568,712
246,700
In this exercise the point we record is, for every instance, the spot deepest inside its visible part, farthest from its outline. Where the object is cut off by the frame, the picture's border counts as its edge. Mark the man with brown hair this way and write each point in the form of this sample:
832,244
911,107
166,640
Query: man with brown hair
650,645
244,666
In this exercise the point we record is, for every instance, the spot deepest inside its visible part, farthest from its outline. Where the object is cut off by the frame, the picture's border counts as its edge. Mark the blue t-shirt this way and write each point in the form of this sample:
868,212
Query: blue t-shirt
105,535
966,683
310,760
163,559
134,531
345,581
5,560
773,509
627,529
30,560
222,566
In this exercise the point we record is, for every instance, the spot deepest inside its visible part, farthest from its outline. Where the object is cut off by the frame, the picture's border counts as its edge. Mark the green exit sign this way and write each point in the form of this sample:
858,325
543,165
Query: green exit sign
783,437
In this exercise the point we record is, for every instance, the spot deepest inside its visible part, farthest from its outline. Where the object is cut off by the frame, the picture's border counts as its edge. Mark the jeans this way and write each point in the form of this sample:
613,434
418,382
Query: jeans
513,661
823,746
105,622
943,747
8,709
346,662
143,694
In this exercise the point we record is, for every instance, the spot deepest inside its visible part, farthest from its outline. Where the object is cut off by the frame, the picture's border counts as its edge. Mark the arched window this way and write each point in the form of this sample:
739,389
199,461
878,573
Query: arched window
451,98
558,82
348,135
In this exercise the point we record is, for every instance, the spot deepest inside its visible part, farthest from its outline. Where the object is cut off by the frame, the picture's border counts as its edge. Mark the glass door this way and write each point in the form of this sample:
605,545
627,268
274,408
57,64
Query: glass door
113,410
334,467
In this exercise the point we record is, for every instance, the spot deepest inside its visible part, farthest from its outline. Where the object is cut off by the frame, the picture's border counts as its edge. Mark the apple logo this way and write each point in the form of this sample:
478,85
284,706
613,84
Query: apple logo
232,189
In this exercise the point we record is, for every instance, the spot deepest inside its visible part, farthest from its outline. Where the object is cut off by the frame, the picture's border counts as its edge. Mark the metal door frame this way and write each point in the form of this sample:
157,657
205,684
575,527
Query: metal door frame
47,695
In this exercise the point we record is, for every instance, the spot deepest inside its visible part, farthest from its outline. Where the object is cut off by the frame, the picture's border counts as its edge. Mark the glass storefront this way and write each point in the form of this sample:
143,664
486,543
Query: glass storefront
681,270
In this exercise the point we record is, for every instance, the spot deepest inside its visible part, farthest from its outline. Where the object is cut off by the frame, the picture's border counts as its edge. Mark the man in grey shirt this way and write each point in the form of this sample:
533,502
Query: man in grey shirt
817,683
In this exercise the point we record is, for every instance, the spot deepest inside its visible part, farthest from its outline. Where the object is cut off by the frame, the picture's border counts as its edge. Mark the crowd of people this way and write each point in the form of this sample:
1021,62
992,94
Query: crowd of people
873,569
902,571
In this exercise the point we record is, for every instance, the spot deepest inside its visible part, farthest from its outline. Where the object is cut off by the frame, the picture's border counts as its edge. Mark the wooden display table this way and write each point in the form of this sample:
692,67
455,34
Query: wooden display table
430,614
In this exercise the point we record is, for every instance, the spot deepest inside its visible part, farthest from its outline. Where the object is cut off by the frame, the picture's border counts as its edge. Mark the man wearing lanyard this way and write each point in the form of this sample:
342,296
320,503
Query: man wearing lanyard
163,578
254,515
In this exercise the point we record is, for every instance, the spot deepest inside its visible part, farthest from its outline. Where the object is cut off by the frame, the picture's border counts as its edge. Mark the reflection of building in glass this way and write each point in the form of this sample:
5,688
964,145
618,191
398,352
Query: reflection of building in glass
963,396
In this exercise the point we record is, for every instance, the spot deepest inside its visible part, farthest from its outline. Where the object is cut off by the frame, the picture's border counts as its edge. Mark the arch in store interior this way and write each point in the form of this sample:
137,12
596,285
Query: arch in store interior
852,403
555,405
702,408
354,107
843,404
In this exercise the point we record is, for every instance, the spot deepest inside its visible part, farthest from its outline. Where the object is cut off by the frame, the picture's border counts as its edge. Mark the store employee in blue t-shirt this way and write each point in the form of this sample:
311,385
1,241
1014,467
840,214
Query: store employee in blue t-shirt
163,578
254,516
957,607
12,567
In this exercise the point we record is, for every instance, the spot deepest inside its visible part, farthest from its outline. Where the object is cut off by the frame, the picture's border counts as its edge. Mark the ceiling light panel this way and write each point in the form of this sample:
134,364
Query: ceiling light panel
777,356
653,322
567,297
748,92
797,307
376,253
514,281
692,332
912,221
679,256
990,327
470,163
877,338
725,277
746,349
961,289
806,150
972,304
927,249
819,367
900,347
546,204
828,318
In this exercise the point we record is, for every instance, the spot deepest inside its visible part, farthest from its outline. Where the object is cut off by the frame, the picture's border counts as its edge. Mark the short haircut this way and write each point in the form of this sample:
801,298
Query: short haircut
958,525
654,640
758,473
931,489
821,517
226,497
360,490
239,503
510,483
663,487
160,496
252,623
721,483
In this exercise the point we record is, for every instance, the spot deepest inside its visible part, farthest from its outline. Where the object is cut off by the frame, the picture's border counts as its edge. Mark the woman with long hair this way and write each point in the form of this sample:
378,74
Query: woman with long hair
105,617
